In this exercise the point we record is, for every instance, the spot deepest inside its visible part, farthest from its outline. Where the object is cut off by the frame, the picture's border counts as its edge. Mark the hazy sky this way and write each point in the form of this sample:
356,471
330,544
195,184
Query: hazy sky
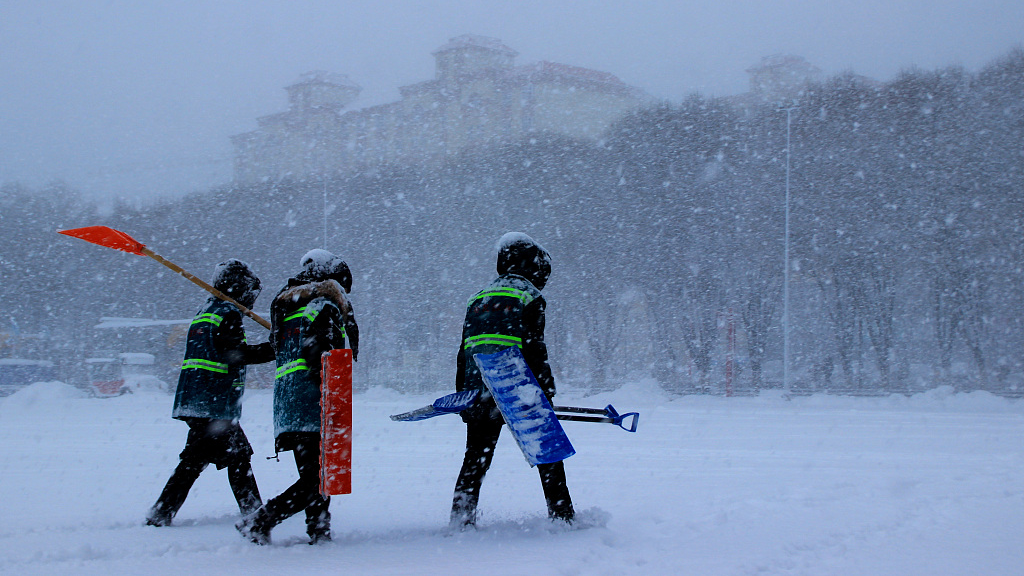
134,99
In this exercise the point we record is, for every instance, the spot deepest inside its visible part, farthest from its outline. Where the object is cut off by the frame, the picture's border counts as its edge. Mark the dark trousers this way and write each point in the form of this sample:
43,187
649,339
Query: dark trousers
304,494
219,442
481,438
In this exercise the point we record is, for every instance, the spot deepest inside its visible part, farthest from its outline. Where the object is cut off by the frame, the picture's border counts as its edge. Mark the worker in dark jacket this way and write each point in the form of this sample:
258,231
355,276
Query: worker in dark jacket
209,395
508,312
311,315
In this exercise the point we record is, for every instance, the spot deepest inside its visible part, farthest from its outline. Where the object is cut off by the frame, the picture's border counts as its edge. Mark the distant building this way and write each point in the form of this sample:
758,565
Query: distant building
782,80
781,77
478,96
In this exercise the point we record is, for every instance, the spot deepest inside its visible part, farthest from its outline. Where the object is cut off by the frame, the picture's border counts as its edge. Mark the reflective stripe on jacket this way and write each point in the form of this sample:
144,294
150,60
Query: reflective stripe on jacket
297,323
496,318
207,386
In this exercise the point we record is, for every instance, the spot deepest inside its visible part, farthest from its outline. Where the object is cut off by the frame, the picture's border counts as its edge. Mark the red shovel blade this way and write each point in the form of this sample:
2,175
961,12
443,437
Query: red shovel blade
108,237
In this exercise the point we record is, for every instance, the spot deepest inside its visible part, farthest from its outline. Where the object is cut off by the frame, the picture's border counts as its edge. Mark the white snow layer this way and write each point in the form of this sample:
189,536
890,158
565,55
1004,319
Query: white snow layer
317,258
509,238
927,485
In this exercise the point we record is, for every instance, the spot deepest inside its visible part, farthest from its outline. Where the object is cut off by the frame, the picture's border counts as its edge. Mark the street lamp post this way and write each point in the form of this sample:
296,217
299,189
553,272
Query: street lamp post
785,278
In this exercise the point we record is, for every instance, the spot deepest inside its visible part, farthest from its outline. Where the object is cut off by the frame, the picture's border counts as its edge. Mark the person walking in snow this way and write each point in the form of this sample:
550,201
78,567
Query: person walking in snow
209,395
310,315
511,308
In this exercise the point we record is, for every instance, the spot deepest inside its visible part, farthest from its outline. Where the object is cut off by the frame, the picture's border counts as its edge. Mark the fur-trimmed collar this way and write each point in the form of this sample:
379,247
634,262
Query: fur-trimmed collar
330,289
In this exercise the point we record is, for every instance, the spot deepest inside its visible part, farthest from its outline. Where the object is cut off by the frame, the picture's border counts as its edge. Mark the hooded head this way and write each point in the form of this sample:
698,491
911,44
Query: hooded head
319,265
237,280
521,255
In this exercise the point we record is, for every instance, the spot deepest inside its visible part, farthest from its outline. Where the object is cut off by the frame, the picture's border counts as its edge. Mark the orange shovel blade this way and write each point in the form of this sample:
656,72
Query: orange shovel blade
108,237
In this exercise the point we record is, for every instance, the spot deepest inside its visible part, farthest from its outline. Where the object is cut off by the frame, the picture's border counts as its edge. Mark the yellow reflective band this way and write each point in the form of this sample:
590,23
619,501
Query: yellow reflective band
211,318
293,366
521,295
303,313
498,339
201,364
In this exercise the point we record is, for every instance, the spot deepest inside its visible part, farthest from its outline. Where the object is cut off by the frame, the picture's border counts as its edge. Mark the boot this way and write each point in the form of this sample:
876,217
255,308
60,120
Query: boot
319,537
318,525
565,515
255,527
556,494
463,514
174,493
243,486
158,517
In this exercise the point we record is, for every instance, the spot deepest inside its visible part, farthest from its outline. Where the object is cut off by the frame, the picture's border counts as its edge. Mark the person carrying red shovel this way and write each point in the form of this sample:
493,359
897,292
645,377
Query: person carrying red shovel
209,395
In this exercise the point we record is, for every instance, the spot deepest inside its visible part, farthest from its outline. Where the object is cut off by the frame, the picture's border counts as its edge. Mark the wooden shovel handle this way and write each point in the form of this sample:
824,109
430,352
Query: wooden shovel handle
198,282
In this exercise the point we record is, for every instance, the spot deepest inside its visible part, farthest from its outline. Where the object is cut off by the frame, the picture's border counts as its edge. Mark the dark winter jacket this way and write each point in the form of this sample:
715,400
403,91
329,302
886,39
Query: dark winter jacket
509,312
308,319
212,377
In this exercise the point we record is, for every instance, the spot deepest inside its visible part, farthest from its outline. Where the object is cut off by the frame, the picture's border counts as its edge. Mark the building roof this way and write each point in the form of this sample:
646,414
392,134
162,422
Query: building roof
323,77
539,72
567,71
784,61
474,41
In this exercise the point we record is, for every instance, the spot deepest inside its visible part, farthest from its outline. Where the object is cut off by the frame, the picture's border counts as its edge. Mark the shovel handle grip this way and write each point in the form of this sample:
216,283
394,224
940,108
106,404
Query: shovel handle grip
608,415
621,421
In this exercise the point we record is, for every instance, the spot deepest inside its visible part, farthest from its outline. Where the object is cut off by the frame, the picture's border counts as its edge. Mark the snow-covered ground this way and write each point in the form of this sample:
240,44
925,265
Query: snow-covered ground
932,484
